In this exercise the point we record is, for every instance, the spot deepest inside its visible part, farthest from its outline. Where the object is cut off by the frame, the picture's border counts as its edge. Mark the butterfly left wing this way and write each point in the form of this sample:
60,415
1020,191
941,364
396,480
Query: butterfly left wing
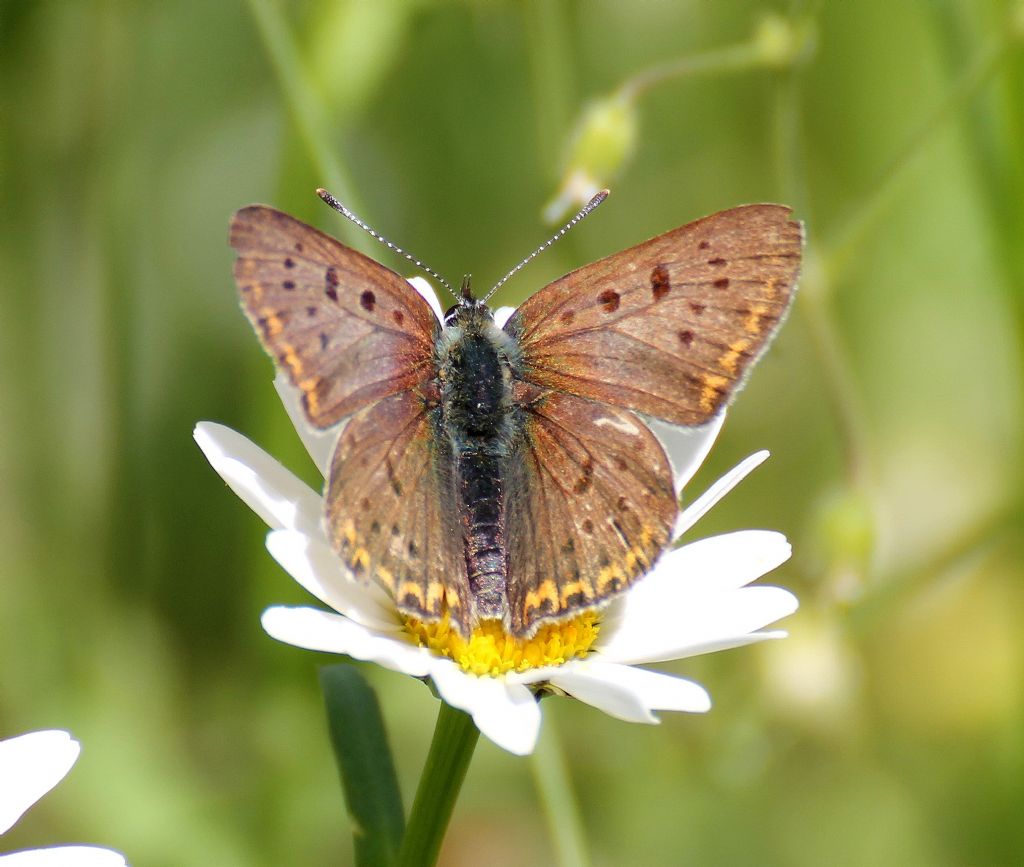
345,329
669,327
590,506
390,507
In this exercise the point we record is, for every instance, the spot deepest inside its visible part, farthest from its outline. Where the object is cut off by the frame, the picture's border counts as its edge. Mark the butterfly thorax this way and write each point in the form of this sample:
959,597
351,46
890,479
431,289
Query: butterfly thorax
478,419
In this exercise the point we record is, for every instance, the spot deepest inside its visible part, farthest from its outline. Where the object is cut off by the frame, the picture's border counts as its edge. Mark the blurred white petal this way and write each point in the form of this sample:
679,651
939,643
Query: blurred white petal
65,856
31,765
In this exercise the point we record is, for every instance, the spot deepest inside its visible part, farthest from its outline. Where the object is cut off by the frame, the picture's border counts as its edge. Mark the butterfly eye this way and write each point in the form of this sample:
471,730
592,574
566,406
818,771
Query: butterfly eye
451,313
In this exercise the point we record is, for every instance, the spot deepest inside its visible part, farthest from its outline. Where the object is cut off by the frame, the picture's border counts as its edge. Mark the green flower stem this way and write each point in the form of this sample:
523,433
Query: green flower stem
551,74
551,775
843,391
814,298
302,99
733,58
843,242
451,750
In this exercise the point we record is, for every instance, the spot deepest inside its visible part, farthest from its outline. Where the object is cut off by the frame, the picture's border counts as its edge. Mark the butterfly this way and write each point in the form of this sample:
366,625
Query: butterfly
508,473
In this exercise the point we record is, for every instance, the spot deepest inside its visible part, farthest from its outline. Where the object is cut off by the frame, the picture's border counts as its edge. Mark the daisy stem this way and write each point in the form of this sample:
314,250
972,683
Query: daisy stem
551,775
451,750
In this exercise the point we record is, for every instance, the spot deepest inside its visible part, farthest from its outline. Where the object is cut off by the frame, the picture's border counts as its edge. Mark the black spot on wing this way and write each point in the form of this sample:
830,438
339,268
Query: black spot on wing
609,300
659,282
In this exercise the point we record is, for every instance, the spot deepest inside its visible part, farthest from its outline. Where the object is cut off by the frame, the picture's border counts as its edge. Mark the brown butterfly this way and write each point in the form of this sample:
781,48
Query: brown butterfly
504,473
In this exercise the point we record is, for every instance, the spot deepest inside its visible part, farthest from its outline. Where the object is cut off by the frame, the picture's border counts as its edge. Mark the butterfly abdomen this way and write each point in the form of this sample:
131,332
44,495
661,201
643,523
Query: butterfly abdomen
476,411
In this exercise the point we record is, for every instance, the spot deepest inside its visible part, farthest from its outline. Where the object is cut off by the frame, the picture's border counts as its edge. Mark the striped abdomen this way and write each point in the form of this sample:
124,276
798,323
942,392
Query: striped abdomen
483,524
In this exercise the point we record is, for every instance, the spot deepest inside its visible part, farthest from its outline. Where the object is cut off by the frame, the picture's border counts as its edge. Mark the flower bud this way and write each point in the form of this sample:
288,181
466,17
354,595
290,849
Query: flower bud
601,143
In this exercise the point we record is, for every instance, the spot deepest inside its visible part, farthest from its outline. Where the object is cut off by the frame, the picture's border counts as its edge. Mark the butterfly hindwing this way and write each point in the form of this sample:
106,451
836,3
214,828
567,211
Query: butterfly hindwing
346,330
591,505
669,327
390,507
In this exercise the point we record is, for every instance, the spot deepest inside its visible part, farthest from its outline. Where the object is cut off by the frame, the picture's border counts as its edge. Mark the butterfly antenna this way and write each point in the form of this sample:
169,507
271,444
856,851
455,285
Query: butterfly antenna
586,209
345,212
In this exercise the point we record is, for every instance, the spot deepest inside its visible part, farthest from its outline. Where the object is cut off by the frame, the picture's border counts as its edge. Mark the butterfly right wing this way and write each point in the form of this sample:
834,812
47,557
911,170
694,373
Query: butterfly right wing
390,512
671,327
346,330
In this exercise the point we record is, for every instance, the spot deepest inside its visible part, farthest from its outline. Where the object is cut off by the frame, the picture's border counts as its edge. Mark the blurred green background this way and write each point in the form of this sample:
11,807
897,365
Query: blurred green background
888,729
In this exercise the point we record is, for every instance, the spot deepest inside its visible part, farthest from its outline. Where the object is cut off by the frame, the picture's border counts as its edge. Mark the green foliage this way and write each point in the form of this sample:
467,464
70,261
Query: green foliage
885,731
368,778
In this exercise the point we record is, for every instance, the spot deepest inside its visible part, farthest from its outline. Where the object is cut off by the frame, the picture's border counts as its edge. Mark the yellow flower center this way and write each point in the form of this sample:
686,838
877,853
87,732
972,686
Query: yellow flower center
492,651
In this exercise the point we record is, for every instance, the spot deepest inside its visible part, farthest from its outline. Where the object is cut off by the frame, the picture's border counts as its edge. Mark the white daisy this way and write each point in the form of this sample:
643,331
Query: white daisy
695,600
31,765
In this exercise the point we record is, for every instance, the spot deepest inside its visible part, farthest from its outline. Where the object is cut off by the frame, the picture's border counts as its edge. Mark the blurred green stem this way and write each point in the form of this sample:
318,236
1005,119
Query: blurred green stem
842,392
777,43
788,143
302,100
551,776
884,595
843,242
551,67
815,295
733,58
451,750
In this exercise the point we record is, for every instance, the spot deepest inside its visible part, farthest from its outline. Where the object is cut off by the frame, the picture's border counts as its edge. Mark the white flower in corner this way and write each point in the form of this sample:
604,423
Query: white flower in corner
695,600
31,765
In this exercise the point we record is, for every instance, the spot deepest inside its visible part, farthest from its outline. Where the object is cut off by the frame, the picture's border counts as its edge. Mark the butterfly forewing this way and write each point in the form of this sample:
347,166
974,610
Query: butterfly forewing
346,330
590,507
671,326
390,507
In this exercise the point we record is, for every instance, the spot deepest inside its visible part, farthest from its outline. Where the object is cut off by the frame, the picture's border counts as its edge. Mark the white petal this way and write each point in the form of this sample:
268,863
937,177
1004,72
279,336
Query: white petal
703,504
720,643
31,765
586,683
684,576
320,571
502,315
507,713
326,631
725,620
687,447
722,562
422,285
65,856
655,689
319,443
265,486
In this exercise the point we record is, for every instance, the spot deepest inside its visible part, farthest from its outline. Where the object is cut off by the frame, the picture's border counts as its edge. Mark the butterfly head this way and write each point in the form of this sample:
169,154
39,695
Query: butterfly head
468,309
